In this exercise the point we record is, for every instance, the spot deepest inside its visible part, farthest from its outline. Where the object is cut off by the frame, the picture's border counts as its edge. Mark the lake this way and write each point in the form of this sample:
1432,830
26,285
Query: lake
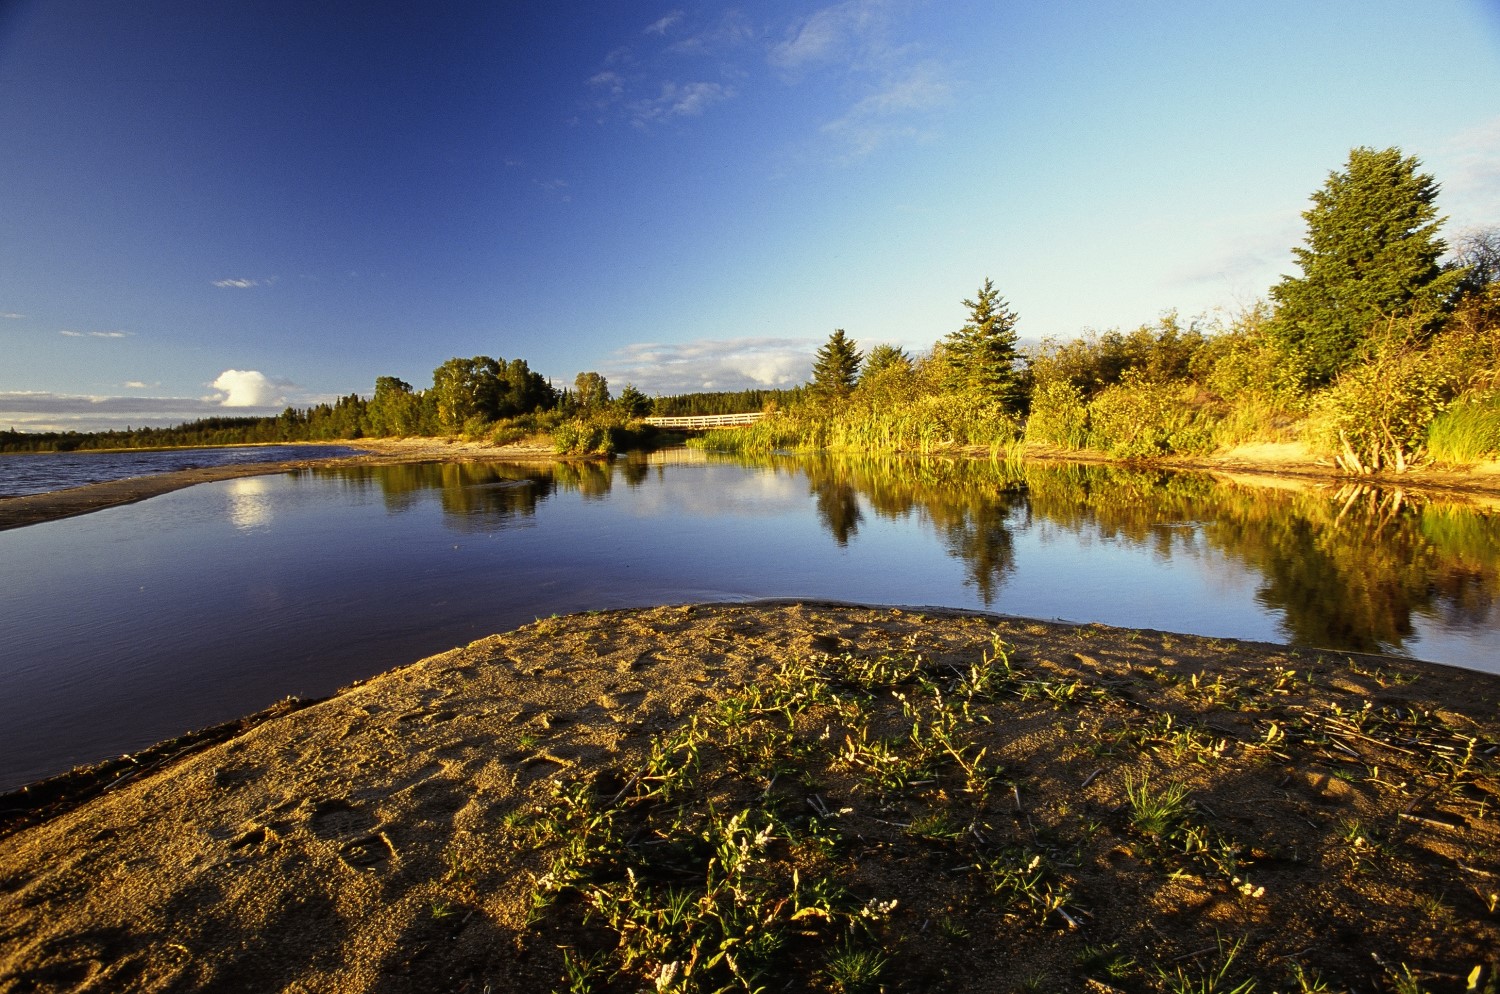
137,623
44,472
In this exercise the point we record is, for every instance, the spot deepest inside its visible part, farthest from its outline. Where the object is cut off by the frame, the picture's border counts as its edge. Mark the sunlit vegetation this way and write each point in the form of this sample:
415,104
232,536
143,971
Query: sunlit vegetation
1380,355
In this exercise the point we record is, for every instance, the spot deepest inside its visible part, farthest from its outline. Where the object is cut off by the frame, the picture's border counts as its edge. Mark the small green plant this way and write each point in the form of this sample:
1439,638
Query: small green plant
853,968
1157,813
1214,979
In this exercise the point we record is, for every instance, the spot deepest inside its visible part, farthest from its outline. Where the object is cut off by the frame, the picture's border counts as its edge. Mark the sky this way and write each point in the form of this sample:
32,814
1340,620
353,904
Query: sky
213,207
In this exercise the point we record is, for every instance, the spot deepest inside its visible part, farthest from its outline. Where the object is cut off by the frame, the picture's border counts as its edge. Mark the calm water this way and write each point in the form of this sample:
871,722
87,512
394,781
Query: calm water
134,624
43,472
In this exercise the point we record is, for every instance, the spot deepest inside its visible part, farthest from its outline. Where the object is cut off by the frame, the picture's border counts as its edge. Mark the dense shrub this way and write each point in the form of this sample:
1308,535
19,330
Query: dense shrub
1138,420
583,436
1059,416
1375,416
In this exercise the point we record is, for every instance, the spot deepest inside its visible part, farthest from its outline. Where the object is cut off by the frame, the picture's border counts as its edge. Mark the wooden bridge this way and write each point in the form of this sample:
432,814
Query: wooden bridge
703,421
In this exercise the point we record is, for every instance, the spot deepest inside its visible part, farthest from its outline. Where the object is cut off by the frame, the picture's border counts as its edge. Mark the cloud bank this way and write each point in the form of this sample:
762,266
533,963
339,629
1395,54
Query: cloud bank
250,393
40,411
732,364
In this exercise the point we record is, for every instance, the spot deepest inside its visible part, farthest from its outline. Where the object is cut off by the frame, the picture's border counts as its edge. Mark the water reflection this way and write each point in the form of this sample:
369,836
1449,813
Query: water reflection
1347,567
129,628
249,502
475,497
1350,567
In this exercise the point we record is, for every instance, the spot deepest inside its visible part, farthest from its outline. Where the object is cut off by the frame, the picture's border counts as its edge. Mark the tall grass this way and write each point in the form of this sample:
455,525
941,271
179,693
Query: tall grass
1467,432
925,426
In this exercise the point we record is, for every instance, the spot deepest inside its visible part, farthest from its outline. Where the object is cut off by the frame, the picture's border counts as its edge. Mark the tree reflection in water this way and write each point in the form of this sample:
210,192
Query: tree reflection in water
1344,567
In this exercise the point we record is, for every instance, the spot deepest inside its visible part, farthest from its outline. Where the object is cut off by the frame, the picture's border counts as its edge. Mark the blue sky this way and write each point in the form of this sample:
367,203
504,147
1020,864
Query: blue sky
228,207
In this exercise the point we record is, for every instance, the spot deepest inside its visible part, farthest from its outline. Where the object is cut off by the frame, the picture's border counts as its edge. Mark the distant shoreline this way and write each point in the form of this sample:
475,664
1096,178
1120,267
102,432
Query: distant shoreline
34,509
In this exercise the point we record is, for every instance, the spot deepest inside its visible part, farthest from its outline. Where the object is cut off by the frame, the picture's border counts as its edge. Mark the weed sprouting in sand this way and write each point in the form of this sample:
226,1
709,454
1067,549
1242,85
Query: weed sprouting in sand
789,835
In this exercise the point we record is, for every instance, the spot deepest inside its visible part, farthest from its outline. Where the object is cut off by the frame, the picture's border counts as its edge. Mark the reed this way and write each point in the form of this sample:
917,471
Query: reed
1467,432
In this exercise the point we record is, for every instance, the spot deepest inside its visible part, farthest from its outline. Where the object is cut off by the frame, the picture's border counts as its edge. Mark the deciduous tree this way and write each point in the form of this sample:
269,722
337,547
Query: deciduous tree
591,390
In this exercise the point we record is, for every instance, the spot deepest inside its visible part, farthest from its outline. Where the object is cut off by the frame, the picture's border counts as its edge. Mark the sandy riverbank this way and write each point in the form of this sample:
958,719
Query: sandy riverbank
1337,816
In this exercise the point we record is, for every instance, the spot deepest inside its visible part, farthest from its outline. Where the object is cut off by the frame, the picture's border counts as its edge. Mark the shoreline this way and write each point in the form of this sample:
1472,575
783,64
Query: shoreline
1263,465
376,839
33,509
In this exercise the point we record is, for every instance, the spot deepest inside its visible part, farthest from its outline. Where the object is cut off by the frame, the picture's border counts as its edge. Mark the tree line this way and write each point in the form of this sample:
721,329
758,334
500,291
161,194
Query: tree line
1383,349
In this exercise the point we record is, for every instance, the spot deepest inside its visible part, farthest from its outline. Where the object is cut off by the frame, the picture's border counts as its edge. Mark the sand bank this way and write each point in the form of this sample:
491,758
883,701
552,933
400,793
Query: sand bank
1338,815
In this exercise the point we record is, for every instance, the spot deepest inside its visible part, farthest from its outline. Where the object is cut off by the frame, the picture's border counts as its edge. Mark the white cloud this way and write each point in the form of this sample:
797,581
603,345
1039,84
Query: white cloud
13,317
665,24
94,334
246,388
610,81
1468,167
138,385
41,411
679,100
853,34
732,364
645,83
732,31
895,112
241,283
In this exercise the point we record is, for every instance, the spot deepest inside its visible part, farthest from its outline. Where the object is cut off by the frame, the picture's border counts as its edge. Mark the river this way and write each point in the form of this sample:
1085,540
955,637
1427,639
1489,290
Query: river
137,623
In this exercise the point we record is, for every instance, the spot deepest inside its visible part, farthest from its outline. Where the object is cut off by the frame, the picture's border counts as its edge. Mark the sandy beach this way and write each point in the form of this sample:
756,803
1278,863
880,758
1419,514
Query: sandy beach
1337,815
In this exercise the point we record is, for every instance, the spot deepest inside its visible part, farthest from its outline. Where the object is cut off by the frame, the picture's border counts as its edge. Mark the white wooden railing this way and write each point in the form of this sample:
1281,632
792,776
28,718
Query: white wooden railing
708,421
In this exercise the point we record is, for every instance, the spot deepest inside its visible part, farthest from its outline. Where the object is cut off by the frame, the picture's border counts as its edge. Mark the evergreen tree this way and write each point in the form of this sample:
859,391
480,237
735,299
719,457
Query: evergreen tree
632,402
837,366
1370,258
981,356
883,359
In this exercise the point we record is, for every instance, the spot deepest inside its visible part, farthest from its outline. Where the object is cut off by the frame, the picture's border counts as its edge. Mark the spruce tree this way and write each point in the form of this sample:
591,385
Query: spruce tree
1370,259
837,366
981,356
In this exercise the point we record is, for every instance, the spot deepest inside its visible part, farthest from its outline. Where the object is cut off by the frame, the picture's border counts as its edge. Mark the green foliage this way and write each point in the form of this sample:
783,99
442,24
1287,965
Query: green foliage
724,402
1376,414
486,388
884,360
1371,256
590,391
925,424
1094,361
980,358
395,411
632,403
584,436
1059,416
1136,419
836,368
